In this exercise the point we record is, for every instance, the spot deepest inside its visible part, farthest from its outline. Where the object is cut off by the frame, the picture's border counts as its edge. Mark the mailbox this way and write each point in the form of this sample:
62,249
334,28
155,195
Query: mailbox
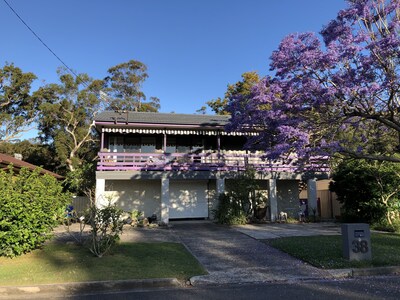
356,241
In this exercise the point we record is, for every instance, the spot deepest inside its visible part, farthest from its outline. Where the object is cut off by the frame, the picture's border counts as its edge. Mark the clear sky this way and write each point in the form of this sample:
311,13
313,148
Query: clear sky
192,48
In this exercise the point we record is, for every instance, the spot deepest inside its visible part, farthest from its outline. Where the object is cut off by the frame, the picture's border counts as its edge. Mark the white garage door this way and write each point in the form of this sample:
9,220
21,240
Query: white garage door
188,199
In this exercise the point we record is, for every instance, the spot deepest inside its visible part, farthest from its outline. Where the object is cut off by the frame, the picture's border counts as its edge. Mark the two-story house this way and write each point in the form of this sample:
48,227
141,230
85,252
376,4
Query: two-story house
176,165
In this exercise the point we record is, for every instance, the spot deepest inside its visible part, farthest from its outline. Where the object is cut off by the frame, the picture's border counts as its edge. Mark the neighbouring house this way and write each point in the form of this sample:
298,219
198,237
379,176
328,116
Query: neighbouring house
176,165
17,164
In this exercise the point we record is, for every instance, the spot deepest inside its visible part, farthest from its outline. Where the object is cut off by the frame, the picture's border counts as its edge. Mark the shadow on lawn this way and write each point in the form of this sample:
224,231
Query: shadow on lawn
142,253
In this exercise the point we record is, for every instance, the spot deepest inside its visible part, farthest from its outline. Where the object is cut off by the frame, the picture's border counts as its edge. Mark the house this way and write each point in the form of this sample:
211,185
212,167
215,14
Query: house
18,164
176,165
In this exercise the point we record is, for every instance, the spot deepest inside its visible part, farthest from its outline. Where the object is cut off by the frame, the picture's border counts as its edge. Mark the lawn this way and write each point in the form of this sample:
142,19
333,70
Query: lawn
326,251
58,263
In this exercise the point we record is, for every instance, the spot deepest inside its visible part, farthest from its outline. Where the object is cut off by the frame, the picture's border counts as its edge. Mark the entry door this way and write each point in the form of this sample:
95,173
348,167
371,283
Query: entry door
188,199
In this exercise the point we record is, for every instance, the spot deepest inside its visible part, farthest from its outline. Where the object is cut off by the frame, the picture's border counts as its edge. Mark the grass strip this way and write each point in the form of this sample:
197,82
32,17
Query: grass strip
60,263
326,251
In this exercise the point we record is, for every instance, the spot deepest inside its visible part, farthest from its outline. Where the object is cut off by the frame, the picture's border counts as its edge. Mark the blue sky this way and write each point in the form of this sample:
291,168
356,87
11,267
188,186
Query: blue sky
192,49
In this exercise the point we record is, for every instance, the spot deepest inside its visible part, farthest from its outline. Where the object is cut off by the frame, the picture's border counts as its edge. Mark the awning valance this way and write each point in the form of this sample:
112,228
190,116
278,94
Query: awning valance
175,131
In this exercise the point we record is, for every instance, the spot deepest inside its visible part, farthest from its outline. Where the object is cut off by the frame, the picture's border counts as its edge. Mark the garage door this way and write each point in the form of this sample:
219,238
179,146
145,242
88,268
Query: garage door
188,199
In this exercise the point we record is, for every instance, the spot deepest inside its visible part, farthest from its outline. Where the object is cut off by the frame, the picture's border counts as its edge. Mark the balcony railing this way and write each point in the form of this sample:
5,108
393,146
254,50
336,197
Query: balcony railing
209,161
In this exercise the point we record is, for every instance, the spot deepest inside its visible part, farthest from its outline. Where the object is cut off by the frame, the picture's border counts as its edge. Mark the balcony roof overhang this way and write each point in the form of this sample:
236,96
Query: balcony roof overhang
174,131
162,123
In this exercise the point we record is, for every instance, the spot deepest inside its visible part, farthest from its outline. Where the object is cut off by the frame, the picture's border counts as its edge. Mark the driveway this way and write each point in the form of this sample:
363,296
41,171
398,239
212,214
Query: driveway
233,257
277,230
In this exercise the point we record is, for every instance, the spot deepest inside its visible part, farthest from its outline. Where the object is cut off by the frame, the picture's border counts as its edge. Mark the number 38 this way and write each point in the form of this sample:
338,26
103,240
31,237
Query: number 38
360,246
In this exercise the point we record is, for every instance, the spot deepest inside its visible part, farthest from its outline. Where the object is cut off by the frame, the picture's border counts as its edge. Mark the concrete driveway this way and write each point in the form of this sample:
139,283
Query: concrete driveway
277,230
231,256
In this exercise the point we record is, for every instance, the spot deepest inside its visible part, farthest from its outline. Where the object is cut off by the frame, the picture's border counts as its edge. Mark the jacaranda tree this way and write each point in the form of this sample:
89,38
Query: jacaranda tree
336,92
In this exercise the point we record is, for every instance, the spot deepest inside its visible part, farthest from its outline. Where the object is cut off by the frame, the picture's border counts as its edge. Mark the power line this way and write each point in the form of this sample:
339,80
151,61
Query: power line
44,44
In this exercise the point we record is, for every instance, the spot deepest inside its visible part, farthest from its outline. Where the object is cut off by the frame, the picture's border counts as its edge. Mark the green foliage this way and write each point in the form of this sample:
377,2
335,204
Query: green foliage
240,202
369,191
240,88
67,111
124,84
106,227
30,205
229,211
81,179
17,108
33,152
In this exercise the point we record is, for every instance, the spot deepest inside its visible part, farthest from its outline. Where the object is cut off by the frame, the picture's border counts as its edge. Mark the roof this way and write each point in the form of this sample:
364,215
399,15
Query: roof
6,160
130,117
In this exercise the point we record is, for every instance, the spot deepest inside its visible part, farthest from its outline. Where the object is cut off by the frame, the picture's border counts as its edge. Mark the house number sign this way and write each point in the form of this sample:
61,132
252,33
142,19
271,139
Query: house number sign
356,238
359,246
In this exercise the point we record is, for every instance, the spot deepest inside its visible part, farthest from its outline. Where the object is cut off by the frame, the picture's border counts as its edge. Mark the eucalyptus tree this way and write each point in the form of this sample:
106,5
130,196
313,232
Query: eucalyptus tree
124,87
67,112
18,110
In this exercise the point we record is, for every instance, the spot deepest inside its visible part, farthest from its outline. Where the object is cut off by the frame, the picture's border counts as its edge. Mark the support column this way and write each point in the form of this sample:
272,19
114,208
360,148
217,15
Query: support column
273,199
100,189
312,196
219,146
102,141
220,186
165,200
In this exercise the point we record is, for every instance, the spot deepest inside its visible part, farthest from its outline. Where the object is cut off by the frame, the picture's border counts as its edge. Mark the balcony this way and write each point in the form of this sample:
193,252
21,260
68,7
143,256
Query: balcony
208,161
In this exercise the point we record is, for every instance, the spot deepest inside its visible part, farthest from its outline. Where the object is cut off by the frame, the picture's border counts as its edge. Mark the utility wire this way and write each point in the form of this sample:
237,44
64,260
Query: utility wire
44,44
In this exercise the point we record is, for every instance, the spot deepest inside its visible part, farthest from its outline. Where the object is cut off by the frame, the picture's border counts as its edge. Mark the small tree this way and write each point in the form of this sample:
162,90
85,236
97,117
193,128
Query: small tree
106,226
30,205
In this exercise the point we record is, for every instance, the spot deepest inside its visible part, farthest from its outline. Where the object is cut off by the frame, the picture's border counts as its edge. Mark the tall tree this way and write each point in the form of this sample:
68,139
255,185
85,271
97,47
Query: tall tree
242,88
67,113
124,85
339,96
17,108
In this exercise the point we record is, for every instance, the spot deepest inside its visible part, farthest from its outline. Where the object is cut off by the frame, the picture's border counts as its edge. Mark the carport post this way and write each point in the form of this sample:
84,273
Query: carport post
165,200
273,201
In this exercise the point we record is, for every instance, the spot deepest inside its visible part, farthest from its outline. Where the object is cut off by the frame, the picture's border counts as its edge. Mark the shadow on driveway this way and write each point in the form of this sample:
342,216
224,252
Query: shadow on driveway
233,257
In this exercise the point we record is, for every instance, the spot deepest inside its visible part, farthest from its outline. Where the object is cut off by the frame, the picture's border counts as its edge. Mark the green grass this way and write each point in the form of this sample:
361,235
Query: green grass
326,251
57,263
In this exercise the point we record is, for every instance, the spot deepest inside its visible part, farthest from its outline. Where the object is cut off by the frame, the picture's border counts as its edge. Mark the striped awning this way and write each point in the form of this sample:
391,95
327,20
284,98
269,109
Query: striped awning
175,131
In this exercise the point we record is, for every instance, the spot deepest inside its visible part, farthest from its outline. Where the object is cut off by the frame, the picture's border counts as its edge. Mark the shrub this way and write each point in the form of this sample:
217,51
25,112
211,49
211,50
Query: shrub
369,191
106,226
229,211
242,201
30,207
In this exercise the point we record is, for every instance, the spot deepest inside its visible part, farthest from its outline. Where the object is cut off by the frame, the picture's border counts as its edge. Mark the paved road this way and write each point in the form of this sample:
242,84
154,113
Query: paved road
233,257
364,288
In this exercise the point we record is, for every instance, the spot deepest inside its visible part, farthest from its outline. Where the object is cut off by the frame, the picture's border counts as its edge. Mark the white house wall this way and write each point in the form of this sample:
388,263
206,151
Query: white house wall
141,195
188,199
